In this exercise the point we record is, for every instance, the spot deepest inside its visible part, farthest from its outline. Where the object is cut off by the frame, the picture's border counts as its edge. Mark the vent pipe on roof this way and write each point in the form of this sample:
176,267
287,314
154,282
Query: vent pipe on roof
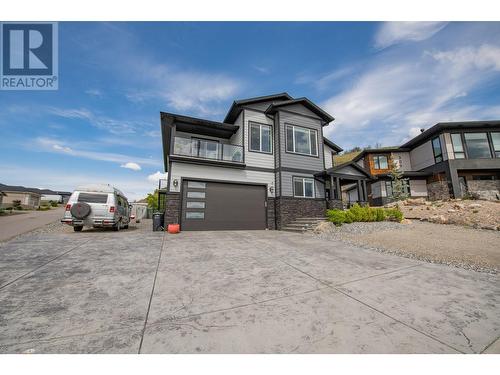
422,130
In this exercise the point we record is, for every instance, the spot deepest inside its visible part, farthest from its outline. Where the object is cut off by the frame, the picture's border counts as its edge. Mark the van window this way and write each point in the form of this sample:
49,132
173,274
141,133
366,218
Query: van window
92,198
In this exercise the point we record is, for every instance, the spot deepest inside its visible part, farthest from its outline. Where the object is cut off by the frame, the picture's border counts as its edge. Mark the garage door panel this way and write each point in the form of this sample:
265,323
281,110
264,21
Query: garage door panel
227,206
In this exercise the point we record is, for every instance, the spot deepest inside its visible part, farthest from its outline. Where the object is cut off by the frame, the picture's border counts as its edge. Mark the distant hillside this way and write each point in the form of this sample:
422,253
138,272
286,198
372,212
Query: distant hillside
346,157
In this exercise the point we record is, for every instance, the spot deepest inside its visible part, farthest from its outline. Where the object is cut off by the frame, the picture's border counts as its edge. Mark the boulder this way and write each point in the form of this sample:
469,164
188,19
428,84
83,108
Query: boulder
415,202
475,205
406,221
440,219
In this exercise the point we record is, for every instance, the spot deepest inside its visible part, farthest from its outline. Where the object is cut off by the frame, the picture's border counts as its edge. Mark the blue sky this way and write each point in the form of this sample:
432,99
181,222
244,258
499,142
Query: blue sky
381,81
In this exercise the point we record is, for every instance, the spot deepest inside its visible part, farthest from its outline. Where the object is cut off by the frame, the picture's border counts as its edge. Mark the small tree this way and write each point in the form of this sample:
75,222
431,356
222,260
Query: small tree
399,191
16,204
152,200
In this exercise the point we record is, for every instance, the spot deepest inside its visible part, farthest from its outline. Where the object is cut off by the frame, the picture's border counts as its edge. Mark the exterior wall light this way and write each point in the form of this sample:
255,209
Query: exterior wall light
271,189
176,183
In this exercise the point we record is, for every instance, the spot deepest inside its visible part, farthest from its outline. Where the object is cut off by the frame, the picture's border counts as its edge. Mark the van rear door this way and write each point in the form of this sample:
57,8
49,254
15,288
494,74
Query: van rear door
99,202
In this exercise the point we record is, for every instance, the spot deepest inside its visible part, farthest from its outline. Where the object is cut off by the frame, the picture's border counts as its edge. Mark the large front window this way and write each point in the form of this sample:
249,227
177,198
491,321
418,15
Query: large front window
477,145
495,140
303,187
260,138
301,140
436,148
380,162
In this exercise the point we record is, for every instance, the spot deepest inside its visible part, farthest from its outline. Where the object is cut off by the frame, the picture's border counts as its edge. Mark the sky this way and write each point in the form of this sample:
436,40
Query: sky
381,81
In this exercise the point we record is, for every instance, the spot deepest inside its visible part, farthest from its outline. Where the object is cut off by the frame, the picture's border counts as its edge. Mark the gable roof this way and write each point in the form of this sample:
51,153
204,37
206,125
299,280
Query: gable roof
457,125
380,150
306,103
235,109
343,168
332,145
23,189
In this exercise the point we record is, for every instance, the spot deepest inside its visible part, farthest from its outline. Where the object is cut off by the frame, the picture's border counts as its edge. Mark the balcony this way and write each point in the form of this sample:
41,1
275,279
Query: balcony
208,150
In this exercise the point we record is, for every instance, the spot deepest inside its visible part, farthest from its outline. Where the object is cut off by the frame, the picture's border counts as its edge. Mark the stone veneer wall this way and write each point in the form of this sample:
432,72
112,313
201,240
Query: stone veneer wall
271,217
484,189
288,209
438,190
335,203
172,208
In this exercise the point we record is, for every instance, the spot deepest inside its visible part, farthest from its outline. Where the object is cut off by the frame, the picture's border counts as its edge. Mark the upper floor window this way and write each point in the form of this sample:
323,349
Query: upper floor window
495,141
477,145
260,138
458,146
436,148
303,187
301,140
380,162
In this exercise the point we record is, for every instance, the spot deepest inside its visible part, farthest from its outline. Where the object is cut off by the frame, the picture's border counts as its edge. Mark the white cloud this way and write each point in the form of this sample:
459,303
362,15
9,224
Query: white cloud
94,92
198,92
155,177
112,125
131,165
57,146
391,33
396,97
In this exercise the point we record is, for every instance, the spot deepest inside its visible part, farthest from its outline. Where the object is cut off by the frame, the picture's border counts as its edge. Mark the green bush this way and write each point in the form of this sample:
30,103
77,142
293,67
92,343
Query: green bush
43,208
53,203
358,213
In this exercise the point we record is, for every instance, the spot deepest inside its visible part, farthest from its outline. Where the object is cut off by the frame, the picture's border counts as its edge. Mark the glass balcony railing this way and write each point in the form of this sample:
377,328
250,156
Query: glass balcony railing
204,149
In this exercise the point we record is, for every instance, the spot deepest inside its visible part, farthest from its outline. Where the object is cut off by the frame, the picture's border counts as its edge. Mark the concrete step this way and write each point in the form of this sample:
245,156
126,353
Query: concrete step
292,229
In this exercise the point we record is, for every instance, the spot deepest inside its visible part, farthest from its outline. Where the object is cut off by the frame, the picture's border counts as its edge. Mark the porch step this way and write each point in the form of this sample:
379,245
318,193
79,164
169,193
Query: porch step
302,224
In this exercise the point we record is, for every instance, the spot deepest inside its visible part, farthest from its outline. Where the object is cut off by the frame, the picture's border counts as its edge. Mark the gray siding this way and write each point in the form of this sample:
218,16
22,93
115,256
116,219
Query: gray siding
186,170
237,138
287,179
257,159
291,160
422,156
328,156
300,109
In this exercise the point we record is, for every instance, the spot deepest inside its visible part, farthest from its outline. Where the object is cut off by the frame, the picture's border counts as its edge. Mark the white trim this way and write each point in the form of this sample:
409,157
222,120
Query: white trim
304,180
309,140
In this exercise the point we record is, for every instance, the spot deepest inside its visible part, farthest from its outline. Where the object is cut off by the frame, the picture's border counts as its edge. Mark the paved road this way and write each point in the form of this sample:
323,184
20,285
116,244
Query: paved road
13,225
138,291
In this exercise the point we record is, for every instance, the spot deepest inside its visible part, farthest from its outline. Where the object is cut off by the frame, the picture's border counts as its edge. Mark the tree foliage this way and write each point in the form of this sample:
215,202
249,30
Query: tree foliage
152,200
399,191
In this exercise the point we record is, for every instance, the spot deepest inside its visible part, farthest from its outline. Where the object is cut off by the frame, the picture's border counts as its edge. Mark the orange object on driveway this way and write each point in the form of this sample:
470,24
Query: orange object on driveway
173,228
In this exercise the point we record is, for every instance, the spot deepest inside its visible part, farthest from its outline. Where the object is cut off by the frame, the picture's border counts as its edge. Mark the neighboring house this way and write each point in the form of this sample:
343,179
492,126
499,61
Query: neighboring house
55,196
448,160
29,199
266,164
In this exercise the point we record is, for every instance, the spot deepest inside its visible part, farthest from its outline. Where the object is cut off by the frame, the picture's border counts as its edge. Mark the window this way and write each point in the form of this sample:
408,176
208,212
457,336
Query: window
196,194
197,185
389,187
301,140
484,177
195,215
195,204
477,145
260,138
436,148
303,187
495,140
380,162
93,198
458,147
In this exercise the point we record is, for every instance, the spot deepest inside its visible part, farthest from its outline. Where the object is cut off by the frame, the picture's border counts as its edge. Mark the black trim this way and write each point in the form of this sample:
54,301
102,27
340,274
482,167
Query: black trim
322,123
434,151
232,114
306,103
219,163
250,134
331,144
297,153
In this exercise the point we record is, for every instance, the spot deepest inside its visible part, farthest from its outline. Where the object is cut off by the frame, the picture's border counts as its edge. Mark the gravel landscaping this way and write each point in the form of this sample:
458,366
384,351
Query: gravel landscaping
452,245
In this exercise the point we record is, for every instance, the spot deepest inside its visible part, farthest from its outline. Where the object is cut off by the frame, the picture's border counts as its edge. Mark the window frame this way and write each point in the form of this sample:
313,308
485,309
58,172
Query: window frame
434,150
316,155
376,157
464,152
304,179
260,125
488,139
493,150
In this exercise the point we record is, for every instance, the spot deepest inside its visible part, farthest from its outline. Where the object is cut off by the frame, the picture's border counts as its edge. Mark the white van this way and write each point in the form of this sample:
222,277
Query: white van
97,206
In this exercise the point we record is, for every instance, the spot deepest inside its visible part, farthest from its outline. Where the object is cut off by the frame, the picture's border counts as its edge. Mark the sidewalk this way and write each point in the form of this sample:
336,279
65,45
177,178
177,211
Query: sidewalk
13,225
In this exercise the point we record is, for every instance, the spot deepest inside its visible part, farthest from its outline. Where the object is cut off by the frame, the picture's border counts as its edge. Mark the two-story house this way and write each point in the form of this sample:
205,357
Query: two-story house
264,165
448,160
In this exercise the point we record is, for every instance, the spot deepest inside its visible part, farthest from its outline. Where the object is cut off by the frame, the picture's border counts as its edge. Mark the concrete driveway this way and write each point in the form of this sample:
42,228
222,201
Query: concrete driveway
235,292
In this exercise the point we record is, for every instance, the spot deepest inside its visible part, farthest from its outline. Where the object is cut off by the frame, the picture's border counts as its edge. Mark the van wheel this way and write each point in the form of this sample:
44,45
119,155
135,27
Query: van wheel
125,227
78,228
117,227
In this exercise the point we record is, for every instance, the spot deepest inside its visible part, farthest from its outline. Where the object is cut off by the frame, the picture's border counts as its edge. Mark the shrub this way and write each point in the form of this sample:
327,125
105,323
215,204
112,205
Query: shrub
53,203
43,208
358,213
17,204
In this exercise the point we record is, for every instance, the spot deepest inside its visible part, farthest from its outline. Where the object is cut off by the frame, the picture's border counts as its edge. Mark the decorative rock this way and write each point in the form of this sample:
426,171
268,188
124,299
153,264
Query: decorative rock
438,219
406,221
475,205
452,210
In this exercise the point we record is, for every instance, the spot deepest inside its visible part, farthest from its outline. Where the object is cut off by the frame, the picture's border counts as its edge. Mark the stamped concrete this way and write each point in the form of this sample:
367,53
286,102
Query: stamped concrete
235,292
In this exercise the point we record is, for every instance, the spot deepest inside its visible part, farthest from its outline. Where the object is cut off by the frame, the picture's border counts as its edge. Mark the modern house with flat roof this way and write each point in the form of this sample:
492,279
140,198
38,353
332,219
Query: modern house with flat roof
448,160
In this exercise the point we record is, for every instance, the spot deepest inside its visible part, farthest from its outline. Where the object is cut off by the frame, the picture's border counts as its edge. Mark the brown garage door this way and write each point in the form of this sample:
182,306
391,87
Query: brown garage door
222,206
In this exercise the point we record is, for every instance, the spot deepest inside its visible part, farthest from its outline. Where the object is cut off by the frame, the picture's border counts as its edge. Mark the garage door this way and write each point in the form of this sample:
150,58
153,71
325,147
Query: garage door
222,206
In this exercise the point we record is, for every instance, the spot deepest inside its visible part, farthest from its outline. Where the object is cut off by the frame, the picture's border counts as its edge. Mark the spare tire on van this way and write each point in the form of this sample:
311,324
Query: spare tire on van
80,210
